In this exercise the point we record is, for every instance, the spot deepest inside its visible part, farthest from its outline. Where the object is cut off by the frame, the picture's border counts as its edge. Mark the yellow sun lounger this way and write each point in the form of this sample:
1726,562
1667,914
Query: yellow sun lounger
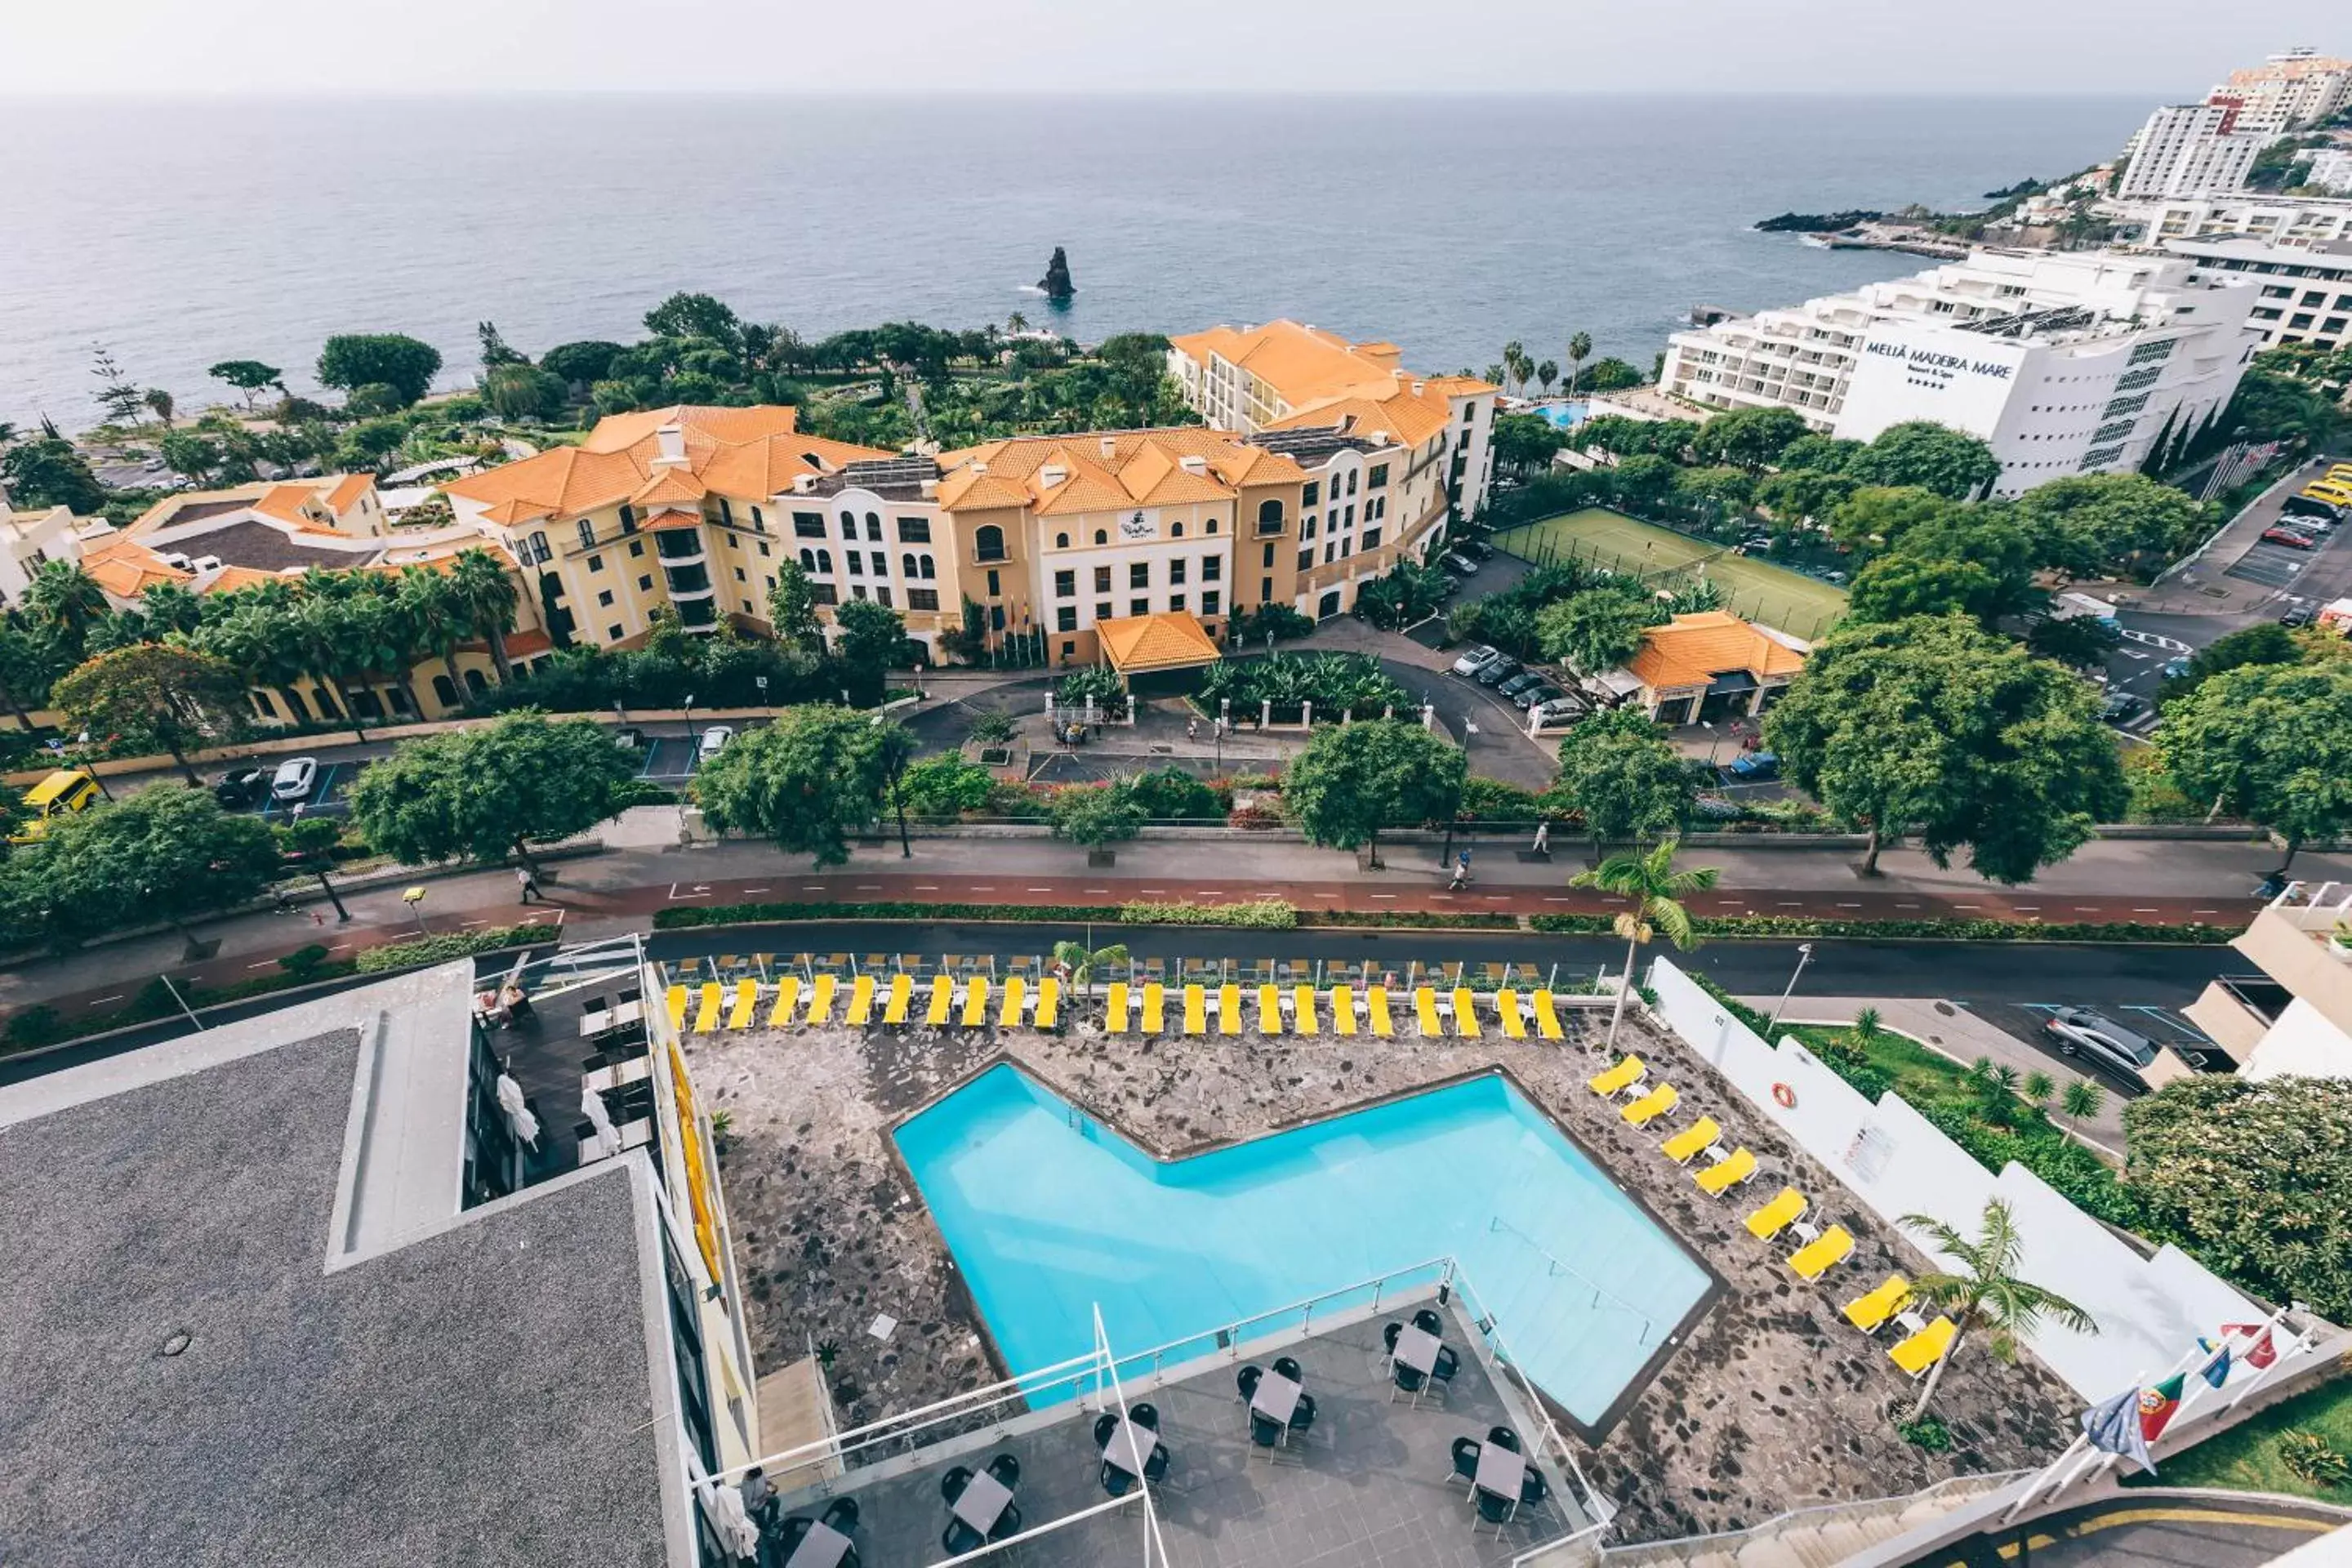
705,1012
1787,1205
975,1003
1687,1144
1652,1105
1870,1312
1624,1076
1376,1003
1049,1002
1229,1009
1196,1010
821,999
1816,1256
861,1000
676,1002
1115,1018
1507,1007
788,999
942,1001
1302,1010
747,999
1425,1003
1926,1348
1343,1010
1724,1174
1016,1002
1546,1017
902,990
1465,1013
1155,1006
1269,1010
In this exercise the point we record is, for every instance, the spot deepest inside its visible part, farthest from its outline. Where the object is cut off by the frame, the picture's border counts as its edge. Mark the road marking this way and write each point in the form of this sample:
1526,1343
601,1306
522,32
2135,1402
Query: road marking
1552,900
2204,912
1968,906
869,886
116,997
341,947
755,890
1375,895
1906,906
1099,893
1040,889
1849,906
2018,906
2143,910
470,923
1497,897
702,890
1791,903
263,965
1448,897
1146,889
926,887
1211,893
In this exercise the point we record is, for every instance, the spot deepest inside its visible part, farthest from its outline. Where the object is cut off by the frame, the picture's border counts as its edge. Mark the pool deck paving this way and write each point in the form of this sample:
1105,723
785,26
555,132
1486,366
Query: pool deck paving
1773,1403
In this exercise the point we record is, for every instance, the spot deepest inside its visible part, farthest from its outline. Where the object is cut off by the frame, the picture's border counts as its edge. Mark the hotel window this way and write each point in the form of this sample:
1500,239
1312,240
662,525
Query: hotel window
995,587
931,570
1102,579
856,562
726,513
1331,552
1140,607
914,530
1372,539
1352,477
1066,584
1269,563
1305,558
823,594
1212,568
1306,526
1102,611
874,528
606,598
613,633
1269,517
1176,531
739,575
1176,603
824,561
907,567
1061,541
1175,573
587,534
760,523
1348,518
1065,619
1101,536
595,563
645,584
883,594
1139,575
849,525
1266,591
1210,601
988,543
764,547
808,561
1306,497
628,518
808,525
857,590
1212,525
1380,475
922,598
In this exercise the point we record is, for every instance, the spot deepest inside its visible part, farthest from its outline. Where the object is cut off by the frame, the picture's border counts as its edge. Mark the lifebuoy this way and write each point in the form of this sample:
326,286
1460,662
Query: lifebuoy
1785,1095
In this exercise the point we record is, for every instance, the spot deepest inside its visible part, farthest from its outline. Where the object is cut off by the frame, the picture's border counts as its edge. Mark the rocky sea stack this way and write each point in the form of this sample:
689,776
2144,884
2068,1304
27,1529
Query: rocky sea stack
1056,282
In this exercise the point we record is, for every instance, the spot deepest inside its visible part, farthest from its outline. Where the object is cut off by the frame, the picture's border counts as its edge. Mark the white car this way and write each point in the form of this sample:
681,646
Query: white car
714,741
1477,659
294,780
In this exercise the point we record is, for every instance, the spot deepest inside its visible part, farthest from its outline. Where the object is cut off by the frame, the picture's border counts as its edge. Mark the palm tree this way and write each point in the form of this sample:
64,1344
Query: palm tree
1495,375
1987,1294
1548,372
2039,1086
487,590
1648,881
1514,354
1016,323
66,599
162,403
170,607
1579,349
1084,965
2082,1101
438,618
319,630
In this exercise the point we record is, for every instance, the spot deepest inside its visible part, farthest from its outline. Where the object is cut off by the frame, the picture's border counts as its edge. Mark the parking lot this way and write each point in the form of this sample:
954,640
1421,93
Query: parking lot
2028,1021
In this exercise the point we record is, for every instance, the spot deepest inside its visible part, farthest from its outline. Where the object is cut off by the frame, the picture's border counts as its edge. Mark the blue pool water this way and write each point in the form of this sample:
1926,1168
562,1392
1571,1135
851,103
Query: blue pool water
1048,1213
1561,415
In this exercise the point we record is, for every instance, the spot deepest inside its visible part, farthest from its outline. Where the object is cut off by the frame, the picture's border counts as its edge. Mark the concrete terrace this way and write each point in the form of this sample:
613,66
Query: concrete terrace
1772,1402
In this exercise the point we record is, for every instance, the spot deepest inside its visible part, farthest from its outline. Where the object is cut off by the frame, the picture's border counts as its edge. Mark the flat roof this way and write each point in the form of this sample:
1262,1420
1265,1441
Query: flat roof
197,1373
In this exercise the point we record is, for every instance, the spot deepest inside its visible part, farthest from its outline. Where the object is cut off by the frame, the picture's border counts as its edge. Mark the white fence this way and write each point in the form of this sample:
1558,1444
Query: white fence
1894,1161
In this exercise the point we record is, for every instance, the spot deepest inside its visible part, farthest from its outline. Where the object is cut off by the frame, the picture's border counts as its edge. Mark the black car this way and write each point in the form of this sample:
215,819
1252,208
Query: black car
2119,706
1477,550
2301,615
1519,683
1499,671
241,785
2310,507
1529,699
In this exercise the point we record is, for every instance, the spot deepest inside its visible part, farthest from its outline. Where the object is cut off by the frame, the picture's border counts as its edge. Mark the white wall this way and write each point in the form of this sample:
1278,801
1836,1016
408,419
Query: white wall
2149,1309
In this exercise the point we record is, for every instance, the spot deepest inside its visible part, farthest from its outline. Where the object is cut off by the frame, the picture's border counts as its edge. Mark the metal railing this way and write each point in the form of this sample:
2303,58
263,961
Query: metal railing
1729,1542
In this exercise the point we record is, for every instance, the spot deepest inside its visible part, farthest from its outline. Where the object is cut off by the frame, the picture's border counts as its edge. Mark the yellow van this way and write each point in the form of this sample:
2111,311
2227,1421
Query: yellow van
2331,491
66,790
2338,474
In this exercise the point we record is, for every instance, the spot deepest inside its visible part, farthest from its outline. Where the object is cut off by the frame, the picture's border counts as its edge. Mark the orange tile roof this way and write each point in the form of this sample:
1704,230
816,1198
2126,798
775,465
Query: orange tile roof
1408,420
671,522
285,502
1169,640
123,567
1691,651
1143,467
347,494
232,578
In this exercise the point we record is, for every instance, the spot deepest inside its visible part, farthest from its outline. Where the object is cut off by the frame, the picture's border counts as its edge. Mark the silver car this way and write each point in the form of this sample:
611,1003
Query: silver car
2082,1032
1477,659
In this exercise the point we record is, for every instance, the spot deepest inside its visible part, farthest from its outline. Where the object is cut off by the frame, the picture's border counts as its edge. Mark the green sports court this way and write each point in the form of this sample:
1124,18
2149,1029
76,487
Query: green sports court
1774,596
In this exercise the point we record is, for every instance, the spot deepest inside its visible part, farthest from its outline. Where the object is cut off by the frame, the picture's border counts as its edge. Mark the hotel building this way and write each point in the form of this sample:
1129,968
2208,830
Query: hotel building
2288,91
2296,1015
2304,292
2188,148
2065,364
2271,219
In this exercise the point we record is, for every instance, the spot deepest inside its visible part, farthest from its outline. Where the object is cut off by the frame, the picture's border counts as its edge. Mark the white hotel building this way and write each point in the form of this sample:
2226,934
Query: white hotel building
2065,364
2188,148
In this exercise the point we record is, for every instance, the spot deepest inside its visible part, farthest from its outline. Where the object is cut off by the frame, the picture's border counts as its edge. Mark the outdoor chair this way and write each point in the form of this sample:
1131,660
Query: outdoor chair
1229,1009
1287,1367
951,1484
788,1001
841,1514
975,1003
1625,1074
674,1000
902,988
1006,1470
1247,1380
821,999
1652,1105
1147,1416
1442,1371
1869,1312
1687,1145
1465,1459
1389,1335
1265,1431
1818,1256
1720,1178
1116,1010
1788,1205
1405,1378
1429,1323
1116,1481
747,997
1503,1438
1376,1003
705,1008
1016,998
1465,1013
960,1538
861,1002
1424,1006
1008,1523
1302,1003
1302,1416
1155,1007
1494,1511
1533,1489
1269,1011
1049,1002
1926,1348
1546,1017
943,1000
1155,1468
1507,1007
1196,1010
1105,1425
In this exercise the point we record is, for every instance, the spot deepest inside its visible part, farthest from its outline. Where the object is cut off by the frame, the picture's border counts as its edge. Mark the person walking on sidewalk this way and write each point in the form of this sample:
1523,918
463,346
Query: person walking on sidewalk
527,883
1461,873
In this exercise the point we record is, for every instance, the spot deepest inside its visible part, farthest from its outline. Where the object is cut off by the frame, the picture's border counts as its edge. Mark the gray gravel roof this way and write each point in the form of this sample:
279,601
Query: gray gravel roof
477,1396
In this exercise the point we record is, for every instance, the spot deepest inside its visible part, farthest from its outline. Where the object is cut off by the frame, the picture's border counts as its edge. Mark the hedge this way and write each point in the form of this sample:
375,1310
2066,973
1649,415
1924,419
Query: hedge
441,949
1260,914
2196,934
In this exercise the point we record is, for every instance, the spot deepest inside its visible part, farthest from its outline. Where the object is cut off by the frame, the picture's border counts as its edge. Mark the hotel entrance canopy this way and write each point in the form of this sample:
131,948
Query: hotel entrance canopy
1145,644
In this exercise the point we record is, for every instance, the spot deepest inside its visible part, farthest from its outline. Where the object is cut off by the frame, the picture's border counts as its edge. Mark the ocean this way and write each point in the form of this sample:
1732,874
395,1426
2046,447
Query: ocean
183,233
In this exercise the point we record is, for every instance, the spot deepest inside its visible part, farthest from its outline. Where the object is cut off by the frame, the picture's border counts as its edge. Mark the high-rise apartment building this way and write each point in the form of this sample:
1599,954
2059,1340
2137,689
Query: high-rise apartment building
2188,148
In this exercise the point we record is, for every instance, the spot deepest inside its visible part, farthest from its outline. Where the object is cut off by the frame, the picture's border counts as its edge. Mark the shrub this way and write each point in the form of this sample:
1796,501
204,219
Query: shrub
1252,625
946,786
637,792
1491,800
1093,684
1172,794
37,1025
304,962
1096,814
2312,1459
1928,1434
1256,816
1263,914
993,727
442,947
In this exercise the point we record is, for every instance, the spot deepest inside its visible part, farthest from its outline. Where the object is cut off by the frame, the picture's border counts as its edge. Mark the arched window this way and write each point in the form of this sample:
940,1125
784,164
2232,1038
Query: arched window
825,560
1176,531
808,560
1269,517
907,567
988,542
874,526
445,692
849,525
1061,541
929,571
475,683
1212,525
1102,536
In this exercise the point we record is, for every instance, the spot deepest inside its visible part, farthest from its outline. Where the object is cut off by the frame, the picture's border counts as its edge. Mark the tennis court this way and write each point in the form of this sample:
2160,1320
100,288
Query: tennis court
1774,596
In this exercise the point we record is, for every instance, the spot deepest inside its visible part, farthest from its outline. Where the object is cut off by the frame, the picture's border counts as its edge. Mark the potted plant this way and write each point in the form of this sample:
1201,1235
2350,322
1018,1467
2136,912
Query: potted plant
2339,942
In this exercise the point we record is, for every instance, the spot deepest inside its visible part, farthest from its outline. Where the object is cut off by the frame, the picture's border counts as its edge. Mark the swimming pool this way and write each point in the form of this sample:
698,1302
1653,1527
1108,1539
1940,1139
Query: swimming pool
1049,1213
1560,415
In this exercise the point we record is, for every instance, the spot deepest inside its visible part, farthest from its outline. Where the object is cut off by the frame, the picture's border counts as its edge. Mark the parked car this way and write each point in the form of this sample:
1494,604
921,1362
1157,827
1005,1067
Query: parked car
2082,1032
2175,670
1476,659
2310,507
1562,709
2301,615
2119,707
2282,534
714,741
1541,694
295,778
1519,683
241,784
1715,808
1752,767
1499,671
1477,550
1461,565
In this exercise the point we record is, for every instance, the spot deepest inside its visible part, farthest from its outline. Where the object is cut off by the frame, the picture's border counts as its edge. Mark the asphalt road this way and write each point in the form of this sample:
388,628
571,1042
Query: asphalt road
2154,1530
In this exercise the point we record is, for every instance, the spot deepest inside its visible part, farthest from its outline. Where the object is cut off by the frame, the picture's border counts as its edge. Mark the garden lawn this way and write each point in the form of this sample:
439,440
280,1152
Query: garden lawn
2246,1457
1773,596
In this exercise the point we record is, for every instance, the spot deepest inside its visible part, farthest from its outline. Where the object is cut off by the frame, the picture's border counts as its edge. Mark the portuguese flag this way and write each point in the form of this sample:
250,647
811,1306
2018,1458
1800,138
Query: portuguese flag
2157,1406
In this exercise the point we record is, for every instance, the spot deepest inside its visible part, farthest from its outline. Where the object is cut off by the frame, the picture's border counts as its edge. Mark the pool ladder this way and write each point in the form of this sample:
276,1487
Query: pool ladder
1497,1223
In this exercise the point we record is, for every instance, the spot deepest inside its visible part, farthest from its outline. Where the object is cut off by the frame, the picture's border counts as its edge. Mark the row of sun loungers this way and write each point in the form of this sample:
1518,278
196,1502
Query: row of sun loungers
712,1007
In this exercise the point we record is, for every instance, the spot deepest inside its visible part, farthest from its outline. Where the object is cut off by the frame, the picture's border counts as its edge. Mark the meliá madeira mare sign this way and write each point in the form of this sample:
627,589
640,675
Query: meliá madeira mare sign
1935,360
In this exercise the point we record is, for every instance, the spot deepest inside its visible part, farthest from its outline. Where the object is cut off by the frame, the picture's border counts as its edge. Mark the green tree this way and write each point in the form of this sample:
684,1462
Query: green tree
1096,814
437,614
1353,780
192,456
1654,893
249,376
1876,518
167,854
49,472
582,364
350,360
66,599
117,394
1931,457
2265,643
1936,723
2081,1101
1983,1294
871,636
1799,495
686,315
792,610
526,392
496,350
482,792
1082,965
2082,641
946,786
1894,588
485,588
1523,443
160,403
177,696
1579,349
2093,524
1547,372
2269,742
1598,629
1821,454
2038,1088
1987,535
1623,778
1748,438
803,782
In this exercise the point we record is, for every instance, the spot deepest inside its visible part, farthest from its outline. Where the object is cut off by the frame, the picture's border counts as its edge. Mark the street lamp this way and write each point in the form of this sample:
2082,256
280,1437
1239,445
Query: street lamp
415,899
1804,956
689,715
761,682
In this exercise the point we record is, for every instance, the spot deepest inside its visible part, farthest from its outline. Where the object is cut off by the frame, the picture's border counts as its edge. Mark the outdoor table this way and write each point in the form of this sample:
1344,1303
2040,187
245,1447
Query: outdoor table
1500,1472
618,1018
982,1502
1417,1348
822,1547
1276,1398
635,1070
1131,1447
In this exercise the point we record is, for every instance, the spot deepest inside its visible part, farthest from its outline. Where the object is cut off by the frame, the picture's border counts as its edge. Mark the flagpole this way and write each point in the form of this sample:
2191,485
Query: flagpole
2138,1382
2303,1343
2231,1343
2073,1448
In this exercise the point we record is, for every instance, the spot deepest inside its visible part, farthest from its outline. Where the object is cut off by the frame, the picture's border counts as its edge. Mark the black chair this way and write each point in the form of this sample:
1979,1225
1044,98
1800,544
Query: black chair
1116,1481
1302,1416
1105,1425
960,1538
1006,1470
841,1514
951,1484
1429,1323
1155,1468
1442,1371
794,1531
1144,1416
1405,1378
1503,1438
1287,1367
1532,1489
1008,1524
1265,1431
1247,1380
1389,1336
1465,1459
1494,1511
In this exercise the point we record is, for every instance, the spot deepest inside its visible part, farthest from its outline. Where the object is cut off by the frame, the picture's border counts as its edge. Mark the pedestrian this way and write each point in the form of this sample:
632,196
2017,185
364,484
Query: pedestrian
517,1004
527,883
1461,872
1543,840
1191,728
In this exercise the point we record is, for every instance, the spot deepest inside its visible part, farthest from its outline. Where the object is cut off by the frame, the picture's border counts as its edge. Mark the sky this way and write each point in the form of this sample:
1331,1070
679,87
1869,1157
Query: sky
2166,48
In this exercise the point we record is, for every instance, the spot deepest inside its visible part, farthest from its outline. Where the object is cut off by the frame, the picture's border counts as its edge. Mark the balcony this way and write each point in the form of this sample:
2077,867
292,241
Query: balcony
2289,941
680,545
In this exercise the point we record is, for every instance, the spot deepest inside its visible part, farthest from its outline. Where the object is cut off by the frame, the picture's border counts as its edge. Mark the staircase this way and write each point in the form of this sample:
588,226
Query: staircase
1820,1537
